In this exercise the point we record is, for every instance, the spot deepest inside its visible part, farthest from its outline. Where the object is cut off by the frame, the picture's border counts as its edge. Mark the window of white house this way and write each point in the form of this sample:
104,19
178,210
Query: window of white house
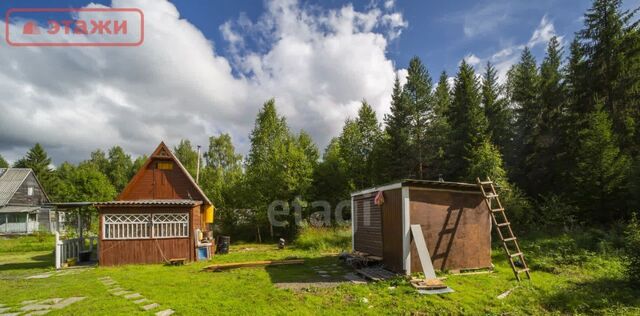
139,226
29,191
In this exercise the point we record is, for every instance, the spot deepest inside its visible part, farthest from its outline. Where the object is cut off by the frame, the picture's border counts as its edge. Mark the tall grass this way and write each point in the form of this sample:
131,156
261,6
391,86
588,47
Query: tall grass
324,238
36,242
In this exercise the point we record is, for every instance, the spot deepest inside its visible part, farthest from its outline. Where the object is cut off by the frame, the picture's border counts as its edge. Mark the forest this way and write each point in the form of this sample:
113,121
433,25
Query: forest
561,137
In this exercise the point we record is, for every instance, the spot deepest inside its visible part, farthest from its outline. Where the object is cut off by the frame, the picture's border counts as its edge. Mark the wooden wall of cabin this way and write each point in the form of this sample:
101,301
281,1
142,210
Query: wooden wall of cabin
456,226
148,250
161,183
22,197
392,230
368,225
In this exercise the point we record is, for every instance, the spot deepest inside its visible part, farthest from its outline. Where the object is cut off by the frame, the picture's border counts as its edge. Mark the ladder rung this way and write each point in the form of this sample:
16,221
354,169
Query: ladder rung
491,196
503,224
486,182
509,239
497,210
517,254
523,270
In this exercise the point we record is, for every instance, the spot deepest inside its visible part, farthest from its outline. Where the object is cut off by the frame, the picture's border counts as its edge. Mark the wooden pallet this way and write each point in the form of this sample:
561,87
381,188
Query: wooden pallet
428,284
227,266
376,273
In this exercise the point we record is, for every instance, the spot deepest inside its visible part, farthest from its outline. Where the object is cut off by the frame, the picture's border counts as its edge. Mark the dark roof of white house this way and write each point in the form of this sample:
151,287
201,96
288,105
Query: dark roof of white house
10,181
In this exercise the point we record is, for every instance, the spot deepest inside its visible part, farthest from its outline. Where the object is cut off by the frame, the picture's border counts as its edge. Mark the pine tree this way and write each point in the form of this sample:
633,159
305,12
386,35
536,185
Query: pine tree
523,88
397,146
611,43
548,157
601,168
468,122
3,162
496,110
420,106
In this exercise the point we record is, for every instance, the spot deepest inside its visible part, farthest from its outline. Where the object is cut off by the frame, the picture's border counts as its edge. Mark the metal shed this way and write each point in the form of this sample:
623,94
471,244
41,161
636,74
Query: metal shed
454,218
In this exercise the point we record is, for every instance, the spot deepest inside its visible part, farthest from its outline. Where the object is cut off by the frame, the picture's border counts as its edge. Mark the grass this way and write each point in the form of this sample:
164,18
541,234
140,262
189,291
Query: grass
37,242
324,239
594,284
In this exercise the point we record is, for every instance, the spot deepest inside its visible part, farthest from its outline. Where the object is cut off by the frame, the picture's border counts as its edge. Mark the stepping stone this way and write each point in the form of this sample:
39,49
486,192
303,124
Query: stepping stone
105,278
40,276
325,275
4,309
67,302
10,314
321,271
38,313
133,295
109,282
115,289
34,307
28,302
55,300
121,293
140,301
150,306
165,312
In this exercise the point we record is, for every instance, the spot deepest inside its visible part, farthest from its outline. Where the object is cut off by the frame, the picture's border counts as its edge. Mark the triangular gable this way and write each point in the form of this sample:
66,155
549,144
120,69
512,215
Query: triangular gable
12,179
162,152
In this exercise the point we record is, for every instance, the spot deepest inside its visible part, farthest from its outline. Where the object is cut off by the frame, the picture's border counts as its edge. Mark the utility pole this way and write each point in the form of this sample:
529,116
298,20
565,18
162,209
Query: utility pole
198,166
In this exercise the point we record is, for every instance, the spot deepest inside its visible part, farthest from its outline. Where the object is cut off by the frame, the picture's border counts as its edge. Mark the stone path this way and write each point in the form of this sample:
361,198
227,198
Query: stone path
47,275
136,298
38,307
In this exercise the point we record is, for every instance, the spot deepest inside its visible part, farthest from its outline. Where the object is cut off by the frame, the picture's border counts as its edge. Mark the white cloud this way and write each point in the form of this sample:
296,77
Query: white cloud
543,33
472,59
318,64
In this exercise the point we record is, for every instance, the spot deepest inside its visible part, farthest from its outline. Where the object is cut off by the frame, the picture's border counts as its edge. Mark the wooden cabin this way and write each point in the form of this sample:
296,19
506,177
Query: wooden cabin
23,202
157,217
454,218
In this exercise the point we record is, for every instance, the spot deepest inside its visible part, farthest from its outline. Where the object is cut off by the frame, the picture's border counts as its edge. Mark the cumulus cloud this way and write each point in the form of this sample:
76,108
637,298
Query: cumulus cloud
509,55
318,64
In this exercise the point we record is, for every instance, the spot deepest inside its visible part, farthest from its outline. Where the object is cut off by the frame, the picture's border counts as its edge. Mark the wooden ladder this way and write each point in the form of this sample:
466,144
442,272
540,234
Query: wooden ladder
509,240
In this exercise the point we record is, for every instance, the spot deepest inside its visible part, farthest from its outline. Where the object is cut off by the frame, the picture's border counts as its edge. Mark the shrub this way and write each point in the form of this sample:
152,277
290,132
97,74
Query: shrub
632,249
324,238
555,211
517,206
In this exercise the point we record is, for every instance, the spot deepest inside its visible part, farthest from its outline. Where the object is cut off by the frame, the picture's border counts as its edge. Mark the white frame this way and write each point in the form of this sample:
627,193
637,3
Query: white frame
185,228
150,225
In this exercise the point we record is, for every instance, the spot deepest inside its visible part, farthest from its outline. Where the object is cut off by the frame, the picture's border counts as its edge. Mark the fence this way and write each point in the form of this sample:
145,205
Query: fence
71,248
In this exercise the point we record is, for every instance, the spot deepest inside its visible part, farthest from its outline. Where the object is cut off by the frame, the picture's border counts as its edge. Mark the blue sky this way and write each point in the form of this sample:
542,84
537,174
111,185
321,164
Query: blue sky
206,67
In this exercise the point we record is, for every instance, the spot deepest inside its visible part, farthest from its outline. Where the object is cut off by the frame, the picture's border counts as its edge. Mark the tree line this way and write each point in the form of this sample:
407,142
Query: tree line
561,138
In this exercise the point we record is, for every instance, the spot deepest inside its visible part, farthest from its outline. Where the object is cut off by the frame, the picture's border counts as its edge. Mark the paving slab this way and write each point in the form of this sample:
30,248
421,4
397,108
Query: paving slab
133,295
35,307
4,309
67,302
140,301
40,276
150,306
28,302
54,300
42,312
165,312
121,293
10,314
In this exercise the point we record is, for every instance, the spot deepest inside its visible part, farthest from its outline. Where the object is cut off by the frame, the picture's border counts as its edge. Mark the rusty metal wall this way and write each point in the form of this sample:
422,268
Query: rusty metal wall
456,226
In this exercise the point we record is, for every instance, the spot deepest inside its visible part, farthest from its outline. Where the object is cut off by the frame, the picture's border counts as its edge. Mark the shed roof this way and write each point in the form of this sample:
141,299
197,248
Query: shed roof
10,182
459,186
150,203
18,209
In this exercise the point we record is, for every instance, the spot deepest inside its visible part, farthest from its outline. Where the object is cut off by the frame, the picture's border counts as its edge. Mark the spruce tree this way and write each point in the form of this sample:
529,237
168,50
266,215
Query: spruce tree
547,160
420,105
38,160
600,172
439,129
468,123
397,147
496,110
611,43
523,88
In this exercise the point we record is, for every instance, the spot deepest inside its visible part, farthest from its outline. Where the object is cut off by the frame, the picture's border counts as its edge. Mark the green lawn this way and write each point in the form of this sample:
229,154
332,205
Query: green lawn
591,285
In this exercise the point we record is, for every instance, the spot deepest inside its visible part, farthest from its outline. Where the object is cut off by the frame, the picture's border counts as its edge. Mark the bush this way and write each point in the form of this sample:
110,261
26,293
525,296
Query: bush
517,206
324,238
555,211
632,249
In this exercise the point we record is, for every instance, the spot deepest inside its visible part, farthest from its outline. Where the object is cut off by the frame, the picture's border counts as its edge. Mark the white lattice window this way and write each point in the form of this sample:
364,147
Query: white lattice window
170,225
126,226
